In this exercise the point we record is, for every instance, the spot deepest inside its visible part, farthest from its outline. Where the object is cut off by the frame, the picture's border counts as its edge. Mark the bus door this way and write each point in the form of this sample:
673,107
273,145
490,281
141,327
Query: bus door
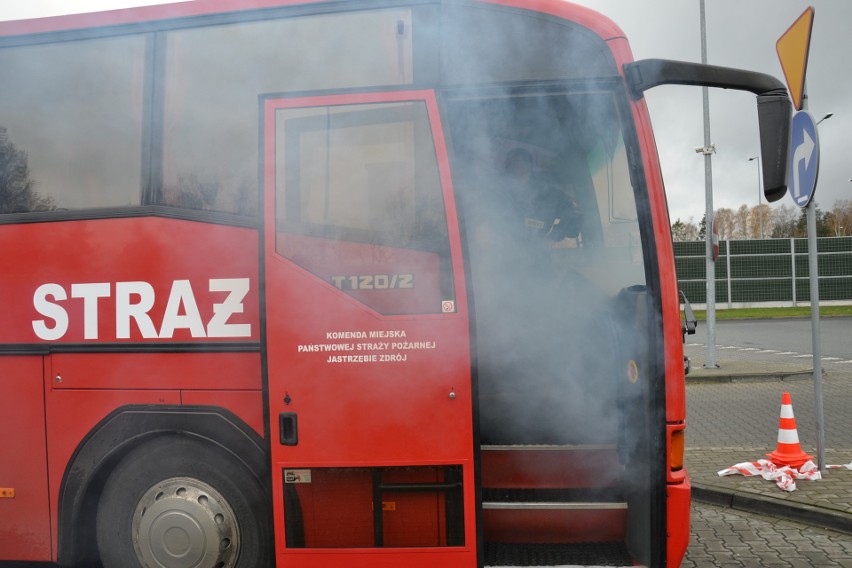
367,335
561,315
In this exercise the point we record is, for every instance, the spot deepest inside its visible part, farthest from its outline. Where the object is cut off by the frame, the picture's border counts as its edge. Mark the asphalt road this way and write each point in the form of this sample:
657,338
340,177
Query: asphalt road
784,335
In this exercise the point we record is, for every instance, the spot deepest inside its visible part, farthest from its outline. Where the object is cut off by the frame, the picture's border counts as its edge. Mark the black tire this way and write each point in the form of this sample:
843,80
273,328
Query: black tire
177,502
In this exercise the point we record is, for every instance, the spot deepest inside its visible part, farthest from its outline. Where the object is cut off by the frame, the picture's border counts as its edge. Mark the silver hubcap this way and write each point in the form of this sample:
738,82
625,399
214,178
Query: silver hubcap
184,523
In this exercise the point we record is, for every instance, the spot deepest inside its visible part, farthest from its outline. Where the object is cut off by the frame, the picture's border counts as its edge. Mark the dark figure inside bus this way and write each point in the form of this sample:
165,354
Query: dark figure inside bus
534,204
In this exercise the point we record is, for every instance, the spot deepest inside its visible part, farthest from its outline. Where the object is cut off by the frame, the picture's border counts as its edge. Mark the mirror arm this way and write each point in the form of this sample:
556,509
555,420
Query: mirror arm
774,109
649,73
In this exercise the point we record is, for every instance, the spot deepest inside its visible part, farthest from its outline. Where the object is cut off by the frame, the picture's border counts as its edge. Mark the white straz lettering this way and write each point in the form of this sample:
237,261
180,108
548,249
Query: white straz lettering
134,301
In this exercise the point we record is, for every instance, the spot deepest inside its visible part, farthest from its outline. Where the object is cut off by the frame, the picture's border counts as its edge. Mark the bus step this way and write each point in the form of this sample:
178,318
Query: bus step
550,466
497,498
548,554
554,521
553,515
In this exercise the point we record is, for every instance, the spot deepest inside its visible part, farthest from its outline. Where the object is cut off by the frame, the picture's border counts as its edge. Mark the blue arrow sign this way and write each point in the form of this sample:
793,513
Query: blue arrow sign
804,158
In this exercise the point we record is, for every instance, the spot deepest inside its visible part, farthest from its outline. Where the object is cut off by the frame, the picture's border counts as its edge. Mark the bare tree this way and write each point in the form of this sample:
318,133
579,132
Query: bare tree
725,225
778,222
784,220
741,222
840,217
760,222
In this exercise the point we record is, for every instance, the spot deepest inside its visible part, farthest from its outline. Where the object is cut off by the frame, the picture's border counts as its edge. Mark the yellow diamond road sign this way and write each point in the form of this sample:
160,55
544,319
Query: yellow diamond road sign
792,48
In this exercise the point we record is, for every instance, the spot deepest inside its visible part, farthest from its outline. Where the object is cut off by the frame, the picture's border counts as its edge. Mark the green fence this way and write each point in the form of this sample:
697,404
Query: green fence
768,272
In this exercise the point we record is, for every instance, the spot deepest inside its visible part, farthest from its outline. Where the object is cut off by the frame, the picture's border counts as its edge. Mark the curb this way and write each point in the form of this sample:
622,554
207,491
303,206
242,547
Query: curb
754,377
749,502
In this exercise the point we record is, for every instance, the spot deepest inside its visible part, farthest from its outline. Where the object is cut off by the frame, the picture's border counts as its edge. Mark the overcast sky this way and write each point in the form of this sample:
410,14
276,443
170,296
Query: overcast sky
740,33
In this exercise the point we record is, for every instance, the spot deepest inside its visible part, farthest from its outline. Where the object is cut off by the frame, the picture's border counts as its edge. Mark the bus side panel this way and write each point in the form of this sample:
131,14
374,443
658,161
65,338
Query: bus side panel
85,387
143,371
24,512
72,414
141,279
678,521
248,405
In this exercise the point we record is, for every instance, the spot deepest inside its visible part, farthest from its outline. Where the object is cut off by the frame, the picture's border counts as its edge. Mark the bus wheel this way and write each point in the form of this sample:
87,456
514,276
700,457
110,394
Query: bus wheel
176,503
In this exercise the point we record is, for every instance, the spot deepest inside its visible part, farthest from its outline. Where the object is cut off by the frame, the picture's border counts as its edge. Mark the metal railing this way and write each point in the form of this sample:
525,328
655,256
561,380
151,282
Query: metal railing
768,272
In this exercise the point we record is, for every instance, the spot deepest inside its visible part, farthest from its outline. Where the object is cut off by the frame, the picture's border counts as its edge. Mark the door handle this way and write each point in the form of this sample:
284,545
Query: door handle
288,426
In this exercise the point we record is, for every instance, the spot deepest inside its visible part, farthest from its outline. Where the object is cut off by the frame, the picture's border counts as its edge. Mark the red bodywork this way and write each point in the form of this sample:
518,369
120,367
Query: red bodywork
53,400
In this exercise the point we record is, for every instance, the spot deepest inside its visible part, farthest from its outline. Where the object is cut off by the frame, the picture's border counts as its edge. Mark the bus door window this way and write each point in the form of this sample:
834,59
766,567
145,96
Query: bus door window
359,203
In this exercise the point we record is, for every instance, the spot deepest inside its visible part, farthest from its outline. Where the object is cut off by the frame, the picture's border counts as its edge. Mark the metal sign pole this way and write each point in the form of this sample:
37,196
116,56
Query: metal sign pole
813,277
792,48
813,271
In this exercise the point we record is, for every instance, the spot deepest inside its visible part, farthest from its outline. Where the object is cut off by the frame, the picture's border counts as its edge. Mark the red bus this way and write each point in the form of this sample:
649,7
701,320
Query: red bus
316,283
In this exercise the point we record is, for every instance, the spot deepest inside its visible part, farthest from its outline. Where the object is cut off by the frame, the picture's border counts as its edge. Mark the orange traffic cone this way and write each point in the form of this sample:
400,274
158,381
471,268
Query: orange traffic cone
788,451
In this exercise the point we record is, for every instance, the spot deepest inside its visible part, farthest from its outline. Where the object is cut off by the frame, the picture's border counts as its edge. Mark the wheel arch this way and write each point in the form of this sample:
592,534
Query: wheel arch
122,431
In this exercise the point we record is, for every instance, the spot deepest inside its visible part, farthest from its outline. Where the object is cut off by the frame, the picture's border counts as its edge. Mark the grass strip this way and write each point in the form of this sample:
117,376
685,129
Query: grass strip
769,313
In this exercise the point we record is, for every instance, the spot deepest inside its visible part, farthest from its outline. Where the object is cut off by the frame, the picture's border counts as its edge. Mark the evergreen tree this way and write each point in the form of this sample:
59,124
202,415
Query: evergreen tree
823,223
17,188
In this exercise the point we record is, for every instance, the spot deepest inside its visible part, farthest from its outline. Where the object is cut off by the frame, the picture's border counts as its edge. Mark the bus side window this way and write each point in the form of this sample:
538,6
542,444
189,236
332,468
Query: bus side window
71,125
359,203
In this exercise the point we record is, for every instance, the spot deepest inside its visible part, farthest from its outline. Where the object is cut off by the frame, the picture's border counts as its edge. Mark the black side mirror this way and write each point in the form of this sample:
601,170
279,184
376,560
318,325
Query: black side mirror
689,323
774,115
774,109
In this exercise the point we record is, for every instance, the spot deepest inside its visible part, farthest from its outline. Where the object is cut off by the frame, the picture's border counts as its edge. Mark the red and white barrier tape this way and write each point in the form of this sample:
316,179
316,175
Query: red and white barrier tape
784,477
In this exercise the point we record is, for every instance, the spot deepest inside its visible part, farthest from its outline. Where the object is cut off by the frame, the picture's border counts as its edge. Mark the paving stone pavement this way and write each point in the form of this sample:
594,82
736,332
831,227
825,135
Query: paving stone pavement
724,537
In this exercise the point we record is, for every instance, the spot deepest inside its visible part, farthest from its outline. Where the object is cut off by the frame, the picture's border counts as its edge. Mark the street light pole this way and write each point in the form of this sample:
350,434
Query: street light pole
710,263
759,196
